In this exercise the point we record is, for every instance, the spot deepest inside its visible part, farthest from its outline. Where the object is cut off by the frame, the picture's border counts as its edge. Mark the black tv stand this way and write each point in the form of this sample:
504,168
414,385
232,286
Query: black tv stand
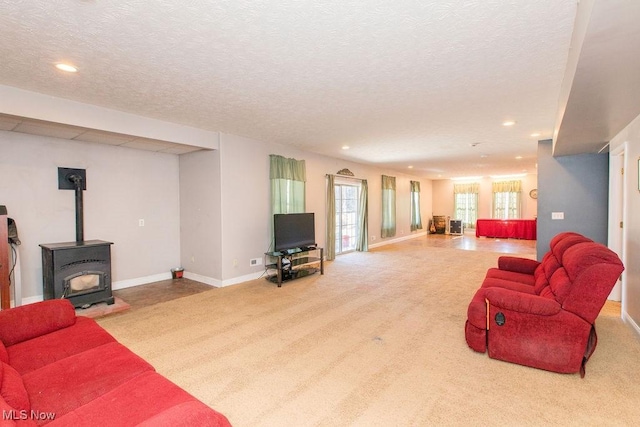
294,263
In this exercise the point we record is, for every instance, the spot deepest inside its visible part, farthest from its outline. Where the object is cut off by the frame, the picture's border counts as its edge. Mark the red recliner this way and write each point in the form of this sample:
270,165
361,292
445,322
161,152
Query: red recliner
542,314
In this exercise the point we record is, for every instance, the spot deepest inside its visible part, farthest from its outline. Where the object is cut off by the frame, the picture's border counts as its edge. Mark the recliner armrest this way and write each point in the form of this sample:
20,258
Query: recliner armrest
33,320
517,264
521,302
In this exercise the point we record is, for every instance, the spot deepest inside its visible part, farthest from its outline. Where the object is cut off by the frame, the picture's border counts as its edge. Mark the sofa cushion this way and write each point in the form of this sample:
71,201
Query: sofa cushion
35,353
69,383
12,388
566,243
4,356
150,398
513,276
548,266
33,320
497,282
585,255
560,285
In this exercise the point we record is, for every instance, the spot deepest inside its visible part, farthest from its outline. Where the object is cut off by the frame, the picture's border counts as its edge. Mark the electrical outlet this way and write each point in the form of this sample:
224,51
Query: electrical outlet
235,262
557,215
141,223
255,261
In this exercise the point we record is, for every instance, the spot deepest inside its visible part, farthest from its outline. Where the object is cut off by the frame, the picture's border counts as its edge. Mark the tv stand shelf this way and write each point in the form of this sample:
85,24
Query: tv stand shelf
294,263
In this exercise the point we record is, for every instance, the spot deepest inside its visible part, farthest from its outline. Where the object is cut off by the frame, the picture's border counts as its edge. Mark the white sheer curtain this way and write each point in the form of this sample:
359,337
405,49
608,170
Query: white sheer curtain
507,199
466,203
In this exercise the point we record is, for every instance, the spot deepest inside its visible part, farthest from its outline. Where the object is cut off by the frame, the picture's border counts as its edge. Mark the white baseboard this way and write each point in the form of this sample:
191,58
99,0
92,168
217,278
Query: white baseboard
627,319
241,279
398,239
202,279
123,284
222,283
129,283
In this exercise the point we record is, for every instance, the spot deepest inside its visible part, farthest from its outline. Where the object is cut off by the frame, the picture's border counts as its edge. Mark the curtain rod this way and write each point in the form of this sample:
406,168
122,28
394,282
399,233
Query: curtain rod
346,177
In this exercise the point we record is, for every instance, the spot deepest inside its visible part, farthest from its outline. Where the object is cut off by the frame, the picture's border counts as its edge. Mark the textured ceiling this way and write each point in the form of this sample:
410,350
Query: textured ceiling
402,82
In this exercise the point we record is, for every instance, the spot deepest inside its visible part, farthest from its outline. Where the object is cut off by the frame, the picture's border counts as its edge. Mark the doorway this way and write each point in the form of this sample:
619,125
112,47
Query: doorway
617,215
347,214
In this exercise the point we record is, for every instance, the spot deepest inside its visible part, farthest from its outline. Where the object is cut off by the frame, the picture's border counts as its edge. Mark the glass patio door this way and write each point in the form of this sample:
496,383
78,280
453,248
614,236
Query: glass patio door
347,197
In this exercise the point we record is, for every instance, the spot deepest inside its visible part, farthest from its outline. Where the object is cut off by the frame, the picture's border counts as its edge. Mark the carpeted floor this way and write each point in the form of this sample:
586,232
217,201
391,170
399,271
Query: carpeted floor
377,341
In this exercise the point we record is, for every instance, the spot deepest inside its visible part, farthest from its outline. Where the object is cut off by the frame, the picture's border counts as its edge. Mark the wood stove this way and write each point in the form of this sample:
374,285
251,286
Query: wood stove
77,271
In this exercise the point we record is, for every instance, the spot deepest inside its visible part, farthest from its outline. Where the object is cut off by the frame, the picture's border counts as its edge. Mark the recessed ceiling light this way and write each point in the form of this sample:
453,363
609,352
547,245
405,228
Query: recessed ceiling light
66,67
535,134
509,123
345,147
518,157
410,167
483,156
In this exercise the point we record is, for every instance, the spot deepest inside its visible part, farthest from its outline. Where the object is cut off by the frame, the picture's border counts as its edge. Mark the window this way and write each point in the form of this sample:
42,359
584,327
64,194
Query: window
347,215
506,199
388,206
466,203
288,178
416,220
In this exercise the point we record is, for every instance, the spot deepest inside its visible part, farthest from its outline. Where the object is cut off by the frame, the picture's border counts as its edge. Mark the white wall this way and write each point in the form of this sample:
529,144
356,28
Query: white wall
629,140
123,186
443,202
245,204
208,211
200,216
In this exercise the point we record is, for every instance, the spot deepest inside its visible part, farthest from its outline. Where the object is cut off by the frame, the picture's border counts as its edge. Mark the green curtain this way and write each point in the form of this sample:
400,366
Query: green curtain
416,219
288,178
363,239
388,206
330,243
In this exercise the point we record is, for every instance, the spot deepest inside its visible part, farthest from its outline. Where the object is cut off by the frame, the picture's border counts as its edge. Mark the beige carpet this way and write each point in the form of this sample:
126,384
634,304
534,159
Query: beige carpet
377,341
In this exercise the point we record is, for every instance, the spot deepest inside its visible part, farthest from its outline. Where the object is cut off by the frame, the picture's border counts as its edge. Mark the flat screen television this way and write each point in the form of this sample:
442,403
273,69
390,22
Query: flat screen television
293,231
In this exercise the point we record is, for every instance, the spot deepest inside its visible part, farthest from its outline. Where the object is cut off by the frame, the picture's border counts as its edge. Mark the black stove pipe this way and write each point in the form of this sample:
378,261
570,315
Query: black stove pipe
77,183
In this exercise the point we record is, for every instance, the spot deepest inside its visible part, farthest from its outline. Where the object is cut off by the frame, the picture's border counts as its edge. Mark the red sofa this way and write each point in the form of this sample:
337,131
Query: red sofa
62,370
542,314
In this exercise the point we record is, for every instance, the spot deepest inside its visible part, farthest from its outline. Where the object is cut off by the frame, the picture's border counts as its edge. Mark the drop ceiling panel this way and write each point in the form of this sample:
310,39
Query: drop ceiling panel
48,129
63,131
102,137
8,123
148,144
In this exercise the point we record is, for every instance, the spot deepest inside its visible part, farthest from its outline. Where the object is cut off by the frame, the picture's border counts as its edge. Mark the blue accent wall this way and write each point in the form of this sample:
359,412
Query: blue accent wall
576,185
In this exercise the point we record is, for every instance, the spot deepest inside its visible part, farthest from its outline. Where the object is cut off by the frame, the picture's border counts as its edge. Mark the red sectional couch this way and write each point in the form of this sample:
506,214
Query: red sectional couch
62,370
542,314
